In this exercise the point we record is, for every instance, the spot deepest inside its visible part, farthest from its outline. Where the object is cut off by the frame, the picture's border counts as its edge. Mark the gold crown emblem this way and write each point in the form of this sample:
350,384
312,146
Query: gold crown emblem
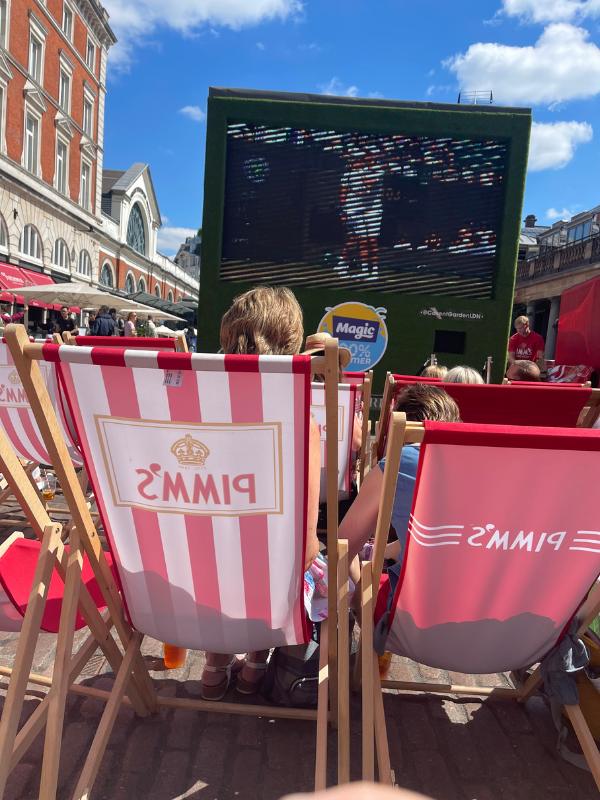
13,377
189,451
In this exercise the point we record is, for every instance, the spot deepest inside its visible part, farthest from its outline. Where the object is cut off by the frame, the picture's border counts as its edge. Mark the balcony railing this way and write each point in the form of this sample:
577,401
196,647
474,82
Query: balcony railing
560,259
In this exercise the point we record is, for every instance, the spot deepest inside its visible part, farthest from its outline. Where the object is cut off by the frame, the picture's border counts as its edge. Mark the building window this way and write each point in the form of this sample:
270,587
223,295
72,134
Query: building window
32,143
88,116
64,91
90,54
141,285
170,297
31,244
106,275
67,24
36,57
136,233
157,290
2,117
62,166
86,182
3,234
129,284
84,265
60,254
4,23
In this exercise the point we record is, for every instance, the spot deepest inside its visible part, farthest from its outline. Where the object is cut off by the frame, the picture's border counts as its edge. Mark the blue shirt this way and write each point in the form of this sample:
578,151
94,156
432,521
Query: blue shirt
405,487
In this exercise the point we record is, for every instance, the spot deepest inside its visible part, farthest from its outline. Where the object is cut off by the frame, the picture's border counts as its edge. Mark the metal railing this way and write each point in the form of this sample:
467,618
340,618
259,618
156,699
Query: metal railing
560,259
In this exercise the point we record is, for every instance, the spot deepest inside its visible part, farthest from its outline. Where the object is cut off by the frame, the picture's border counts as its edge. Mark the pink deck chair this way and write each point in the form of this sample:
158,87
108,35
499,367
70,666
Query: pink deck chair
363,381
525,568
199,466
346,409
17,418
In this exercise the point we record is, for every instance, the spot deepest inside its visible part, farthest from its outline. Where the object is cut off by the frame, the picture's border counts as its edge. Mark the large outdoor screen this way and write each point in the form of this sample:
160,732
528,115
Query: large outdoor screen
320,208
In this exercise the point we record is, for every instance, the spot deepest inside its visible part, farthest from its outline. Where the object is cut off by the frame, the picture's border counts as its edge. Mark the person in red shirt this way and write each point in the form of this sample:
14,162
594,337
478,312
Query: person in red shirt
525,344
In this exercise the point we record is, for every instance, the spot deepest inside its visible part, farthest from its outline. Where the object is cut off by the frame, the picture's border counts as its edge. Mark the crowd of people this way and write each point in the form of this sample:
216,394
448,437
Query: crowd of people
268,321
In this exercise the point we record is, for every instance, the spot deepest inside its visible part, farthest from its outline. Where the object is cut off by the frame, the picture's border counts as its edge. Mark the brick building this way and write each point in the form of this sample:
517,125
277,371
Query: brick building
55,217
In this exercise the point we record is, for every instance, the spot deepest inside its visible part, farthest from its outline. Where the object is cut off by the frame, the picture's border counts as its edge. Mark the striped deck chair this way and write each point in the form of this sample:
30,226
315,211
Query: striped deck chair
177,343
199,465
34,577
346,410
525,568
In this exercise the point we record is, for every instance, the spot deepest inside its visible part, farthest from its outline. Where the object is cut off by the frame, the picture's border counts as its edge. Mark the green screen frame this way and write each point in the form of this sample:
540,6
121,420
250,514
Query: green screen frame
410,333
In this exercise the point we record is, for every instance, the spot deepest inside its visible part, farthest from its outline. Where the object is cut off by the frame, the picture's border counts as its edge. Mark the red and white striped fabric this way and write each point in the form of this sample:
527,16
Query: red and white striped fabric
504,544
199,464
346,409
354,378
562,373
16,416
130,342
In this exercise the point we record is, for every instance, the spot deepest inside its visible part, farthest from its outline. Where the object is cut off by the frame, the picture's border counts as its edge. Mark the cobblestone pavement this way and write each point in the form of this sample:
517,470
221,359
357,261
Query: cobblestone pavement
466,750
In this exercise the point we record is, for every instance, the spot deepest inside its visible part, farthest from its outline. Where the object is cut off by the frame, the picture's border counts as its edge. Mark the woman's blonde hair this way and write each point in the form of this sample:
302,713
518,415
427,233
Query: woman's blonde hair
265,320
434,371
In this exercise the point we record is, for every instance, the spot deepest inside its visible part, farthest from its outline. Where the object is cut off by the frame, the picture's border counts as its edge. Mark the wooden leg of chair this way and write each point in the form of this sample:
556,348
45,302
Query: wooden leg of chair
35,723
383,753
530,686
94,758
368,755
343,666
15,695
322,706
586,740
61,674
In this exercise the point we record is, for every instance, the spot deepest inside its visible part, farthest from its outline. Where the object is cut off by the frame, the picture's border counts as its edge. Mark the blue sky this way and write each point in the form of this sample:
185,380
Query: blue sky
539,53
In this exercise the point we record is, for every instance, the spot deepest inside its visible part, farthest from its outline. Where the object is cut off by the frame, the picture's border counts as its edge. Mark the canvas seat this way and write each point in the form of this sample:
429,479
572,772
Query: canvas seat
177,343
199,466
524,568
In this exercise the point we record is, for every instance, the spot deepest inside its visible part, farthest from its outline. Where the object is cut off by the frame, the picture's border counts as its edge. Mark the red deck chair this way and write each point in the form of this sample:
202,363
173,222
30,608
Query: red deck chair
524,568
363,381
199,465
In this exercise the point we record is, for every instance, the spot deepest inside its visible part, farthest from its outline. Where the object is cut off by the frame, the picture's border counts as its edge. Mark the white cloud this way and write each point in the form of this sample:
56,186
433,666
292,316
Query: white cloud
562,65
169,238
551,10
553,144
193,112
553,214
260,46
335,86
134,21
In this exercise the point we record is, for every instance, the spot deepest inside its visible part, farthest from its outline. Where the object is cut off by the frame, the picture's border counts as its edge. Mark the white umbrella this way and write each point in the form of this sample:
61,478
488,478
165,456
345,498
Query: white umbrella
162,330
85,296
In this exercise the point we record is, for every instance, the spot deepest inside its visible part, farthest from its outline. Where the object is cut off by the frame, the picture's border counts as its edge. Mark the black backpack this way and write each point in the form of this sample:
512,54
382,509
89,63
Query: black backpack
292,676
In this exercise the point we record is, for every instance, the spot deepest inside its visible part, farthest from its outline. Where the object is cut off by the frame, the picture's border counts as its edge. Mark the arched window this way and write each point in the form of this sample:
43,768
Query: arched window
129,284
170,297
3,233
60,254
157,290
141,285
31,243
84,265
136,232
106,275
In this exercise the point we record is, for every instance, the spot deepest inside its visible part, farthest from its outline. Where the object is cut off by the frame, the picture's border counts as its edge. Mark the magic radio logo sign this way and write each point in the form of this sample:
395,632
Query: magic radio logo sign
361,329
216,469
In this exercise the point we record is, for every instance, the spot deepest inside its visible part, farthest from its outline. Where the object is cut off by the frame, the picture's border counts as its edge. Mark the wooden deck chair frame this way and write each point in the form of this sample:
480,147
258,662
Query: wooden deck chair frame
373,726
113,341
131,674
49,713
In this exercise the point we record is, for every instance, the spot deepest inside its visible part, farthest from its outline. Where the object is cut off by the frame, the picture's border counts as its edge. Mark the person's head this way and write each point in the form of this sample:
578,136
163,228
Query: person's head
463,374
421,401
150,319
132,316
113,313
64,312
263,321
522,325
435,371
523,370
103,310
315,345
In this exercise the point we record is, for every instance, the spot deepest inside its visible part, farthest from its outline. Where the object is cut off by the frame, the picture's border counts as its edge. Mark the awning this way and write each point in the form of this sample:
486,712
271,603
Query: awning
13,278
